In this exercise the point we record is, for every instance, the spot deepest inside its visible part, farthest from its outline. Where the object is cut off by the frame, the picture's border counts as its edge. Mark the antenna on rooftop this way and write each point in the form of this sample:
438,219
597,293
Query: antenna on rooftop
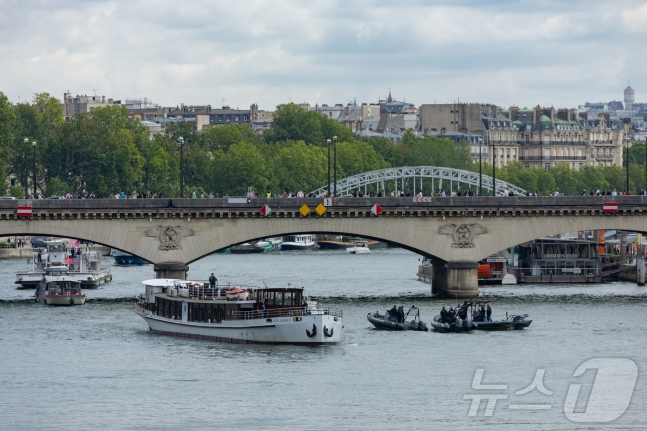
95,91
223,101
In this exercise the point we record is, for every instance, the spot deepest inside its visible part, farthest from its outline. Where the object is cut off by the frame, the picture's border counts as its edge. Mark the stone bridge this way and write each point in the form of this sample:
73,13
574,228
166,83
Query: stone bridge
456,233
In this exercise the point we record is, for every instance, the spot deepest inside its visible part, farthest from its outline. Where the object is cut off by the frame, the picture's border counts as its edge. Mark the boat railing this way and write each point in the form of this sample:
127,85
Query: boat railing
286,312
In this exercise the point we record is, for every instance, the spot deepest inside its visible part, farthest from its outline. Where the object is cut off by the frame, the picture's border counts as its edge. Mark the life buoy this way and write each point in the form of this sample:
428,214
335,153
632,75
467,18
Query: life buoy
607,260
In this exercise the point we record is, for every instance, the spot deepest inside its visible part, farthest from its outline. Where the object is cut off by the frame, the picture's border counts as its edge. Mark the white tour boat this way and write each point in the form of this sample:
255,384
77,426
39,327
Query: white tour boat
57,288
234,314
359,248
297,242
85,267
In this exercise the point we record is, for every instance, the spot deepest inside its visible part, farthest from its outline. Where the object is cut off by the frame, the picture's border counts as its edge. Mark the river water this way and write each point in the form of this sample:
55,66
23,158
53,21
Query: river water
97,366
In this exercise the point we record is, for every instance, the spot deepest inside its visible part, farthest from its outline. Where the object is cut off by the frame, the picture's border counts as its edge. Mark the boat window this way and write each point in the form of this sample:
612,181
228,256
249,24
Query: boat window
278,298
287,298
270,298
167,309
194,314
178,311
201,314
208,314
56,248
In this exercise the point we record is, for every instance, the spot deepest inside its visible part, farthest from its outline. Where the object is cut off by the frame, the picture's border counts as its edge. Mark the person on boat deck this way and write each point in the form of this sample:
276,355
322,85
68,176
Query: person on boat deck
394,312
305,305
450,315
40,257
401,314
489,313
212,281
261,307
443,315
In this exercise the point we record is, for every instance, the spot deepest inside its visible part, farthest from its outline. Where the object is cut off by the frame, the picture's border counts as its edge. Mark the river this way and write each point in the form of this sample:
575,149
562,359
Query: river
97,366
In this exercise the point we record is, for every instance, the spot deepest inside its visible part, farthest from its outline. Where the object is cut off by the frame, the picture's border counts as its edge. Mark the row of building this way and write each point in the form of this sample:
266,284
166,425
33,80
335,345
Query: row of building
539,137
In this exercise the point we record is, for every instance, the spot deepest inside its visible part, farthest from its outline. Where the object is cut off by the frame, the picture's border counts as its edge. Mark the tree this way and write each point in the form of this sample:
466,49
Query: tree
357,157
7,124
300,167
242,166
566,179
291,122
223,137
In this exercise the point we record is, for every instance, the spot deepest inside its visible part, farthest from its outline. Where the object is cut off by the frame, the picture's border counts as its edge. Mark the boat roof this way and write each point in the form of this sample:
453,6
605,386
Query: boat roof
160,282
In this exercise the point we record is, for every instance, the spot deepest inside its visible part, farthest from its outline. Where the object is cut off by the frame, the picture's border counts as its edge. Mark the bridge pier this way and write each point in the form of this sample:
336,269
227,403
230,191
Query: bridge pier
455,279
171,270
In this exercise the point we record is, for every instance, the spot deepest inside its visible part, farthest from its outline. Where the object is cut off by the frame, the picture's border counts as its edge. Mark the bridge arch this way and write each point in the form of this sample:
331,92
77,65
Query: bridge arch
384,178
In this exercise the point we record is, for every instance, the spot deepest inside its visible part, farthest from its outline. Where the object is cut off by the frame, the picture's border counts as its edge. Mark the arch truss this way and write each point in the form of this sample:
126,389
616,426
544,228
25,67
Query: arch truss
411,178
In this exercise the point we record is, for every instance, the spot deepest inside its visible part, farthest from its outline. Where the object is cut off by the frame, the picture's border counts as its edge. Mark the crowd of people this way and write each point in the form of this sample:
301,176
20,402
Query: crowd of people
482,314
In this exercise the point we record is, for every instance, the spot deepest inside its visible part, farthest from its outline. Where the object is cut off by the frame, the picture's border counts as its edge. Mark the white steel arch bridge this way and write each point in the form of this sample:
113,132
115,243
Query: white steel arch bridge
424,178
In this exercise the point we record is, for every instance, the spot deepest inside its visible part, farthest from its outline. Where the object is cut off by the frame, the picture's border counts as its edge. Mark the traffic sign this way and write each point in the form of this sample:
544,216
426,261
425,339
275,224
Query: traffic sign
376,210
304,210
24,211
321,209
327,202
266,210
610,207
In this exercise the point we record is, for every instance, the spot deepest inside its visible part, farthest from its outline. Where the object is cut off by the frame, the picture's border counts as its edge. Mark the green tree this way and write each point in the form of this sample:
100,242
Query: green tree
300,167
243,165
291,122
566,179
7,125
223,137
357,157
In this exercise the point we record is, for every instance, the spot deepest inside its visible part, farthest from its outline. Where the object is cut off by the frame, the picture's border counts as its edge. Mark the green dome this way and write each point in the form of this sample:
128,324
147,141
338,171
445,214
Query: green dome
544,118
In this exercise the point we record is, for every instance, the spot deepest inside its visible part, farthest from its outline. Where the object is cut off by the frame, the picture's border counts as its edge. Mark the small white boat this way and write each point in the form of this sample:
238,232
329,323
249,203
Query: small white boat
359,248
297,242
237,294
57,288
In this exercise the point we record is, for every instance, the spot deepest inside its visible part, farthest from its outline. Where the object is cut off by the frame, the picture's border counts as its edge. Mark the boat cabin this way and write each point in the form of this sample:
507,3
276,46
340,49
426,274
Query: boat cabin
558,260
191,301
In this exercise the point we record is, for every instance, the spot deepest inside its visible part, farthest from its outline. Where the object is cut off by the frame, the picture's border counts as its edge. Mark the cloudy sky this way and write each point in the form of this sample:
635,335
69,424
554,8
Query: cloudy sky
552,53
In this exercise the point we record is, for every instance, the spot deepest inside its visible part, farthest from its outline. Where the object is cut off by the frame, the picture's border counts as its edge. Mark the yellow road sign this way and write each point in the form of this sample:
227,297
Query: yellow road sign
304,210
321,209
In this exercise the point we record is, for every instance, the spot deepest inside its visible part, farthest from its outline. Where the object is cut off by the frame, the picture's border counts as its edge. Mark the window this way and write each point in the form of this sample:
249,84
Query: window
527,165
244,117
547,166
527,139
220,118
228,118
236,118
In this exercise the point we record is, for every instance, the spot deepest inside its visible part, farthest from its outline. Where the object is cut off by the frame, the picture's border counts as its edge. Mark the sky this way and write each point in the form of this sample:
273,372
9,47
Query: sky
526,53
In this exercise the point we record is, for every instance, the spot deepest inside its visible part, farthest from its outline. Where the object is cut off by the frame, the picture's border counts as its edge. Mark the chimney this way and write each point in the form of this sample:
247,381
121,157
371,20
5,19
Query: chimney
562,114
513,112
536,114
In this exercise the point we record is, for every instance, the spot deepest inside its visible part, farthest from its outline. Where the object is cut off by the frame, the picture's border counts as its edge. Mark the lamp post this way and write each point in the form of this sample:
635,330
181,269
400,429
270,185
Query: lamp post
493,169
33,144
627,147
645,165
180,143
480,168
26,141
328,143
334,141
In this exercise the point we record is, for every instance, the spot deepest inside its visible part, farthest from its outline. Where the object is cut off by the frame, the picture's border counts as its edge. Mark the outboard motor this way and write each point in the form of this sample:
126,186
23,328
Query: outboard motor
517,321
422,326
468,324
458,326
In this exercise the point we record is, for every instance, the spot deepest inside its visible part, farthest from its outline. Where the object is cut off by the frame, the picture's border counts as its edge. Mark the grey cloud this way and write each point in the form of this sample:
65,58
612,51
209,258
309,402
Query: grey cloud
505,52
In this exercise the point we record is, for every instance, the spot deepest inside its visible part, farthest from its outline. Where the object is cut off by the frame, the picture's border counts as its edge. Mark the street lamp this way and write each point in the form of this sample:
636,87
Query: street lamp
26,141
493,169
328,143
480,167
180,143
627,147
334,140
33,144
